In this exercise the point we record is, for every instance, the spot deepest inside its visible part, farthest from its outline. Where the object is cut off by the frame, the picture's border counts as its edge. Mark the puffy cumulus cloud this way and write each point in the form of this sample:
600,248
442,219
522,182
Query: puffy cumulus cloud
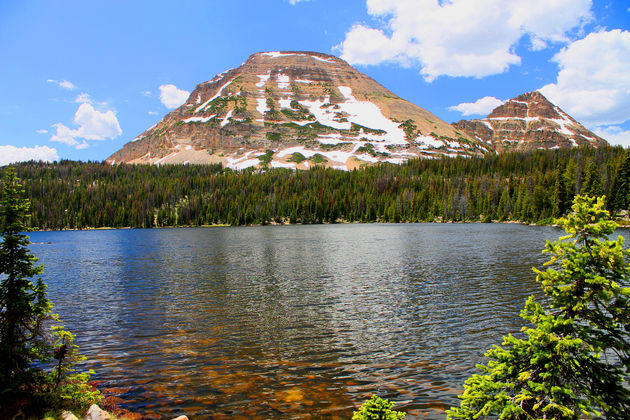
172,97
11,154
593,84
93,125
615,135
460,37
482,106
65,84
41,131
365,45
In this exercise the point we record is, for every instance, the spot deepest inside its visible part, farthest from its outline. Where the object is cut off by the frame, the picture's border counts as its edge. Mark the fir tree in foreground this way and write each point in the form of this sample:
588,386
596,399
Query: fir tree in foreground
575,359
37,374
377,408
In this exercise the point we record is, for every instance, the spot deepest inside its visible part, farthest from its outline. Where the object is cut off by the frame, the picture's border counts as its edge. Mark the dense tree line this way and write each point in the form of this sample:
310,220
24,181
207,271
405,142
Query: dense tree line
528,187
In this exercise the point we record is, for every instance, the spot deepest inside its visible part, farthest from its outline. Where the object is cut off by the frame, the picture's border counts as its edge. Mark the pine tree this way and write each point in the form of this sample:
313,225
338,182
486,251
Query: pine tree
24,304
559,203
620,190
27,346
575,359
593,181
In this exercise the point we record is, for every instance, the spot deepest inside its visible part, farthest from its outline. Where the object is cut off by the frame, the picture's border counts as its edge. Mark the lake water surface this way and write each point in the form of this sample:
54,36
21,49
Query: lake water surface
290,321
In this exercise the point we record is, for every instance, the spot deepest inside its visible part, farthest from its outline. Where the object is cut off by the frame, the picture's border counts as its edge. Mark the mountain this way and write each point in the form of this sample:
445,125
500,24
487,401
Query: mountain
529,122
296,109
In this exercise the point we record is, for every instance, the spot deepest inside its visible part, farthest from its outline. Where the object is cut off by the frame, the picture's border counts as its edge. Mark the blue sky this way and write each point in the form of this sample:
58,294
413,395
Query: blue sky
79,79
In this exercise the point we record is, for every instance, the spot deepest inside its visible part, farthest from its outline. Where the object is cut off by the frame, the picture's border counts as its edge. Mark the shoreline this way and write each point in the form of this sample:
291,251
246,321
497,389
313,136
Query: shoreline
621,224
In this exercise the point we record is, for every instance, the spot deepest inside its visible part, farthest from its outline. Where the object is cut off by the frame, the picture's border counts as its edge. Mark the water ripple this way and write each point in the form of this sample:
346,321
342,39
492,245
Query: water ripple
291,321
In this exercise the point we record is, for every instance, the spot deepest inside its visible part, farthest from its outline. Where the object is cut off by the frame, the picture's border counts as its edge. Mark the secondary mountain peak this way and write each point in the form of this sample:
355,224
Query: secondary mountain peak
295,109
528,122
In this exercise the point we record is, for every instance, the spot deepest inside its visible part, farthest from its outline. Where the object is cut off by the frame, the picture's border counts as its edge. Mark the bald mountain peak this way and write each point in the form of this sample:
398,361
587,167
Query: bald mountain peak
296,109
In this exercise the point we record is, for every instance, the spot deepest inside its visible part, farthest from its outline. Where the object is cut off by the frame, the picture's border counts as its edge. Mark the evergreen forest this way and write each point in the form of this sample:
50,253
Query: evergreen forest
531,187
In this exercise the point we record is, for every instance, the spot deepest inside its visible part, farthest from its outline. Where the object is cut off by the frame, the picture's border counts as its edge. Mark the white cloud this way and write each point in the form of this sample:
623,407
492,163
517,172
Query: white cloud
82,98
64,135
145,93
537,44
460,37
65,84
365,45
93,125
41,131
615,135
296,1
152,113
482,106
172,97
593,84
12,154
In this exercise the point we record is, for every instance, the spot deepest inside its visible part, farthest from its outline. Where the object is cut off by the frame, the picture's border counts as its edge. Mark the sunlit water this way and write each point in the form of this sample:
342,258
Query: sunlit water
290,321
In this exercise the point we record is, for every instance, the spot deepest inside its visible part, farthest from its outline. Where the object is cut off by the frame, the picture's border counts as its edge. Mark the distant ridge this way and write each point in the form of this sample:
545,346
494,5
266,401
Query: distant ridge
529,122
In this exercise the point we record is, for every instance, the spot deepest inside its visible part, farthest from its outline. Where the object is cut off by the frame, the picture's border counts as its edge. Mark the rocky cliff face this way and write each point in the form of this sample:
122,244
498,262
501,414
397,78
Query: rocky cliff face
296,110
529,122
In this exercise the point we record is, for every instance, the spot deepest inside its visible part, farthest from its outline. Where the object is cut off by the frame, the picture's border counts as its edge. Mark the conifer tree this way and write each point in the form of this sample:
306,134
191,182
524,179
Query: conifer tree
575,358
36,359
620,191
593,181
377,408
559,202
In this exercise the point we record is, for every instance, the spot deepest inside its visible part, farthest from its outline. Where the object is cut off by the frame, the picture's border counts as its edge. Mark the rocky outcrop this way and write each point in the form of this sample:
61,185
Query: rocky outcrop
529,122
295,109
97,413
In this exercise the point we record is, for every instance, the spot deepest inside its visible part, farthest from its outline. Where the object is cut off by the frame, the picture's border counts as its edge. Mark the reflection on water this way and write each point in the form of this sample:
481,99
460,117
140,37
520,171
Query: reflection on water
291,321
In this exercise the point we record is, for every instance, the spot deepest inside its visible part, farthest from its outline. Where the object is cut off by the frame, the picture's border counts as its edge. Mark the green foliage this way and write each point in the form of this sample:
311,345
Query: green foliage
369,149
355,128
410,129
272,113
366,148
266,158
511,186
335,146
36,364
273,136
298,112
377,408
318,158
592,181
219,104
575,357
297,157
620,190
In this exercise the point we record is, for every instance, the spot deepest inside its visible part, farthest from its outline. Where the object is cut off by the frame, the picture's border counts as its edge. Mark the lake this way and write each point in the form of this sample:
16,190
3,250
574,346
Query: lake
290,321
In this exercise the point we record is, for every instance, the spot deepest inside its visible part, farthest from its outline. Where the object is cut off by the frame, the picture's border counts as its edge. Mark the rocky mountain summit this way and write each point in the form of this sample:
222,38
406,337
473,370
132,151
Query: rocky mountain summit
529,122
296,110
